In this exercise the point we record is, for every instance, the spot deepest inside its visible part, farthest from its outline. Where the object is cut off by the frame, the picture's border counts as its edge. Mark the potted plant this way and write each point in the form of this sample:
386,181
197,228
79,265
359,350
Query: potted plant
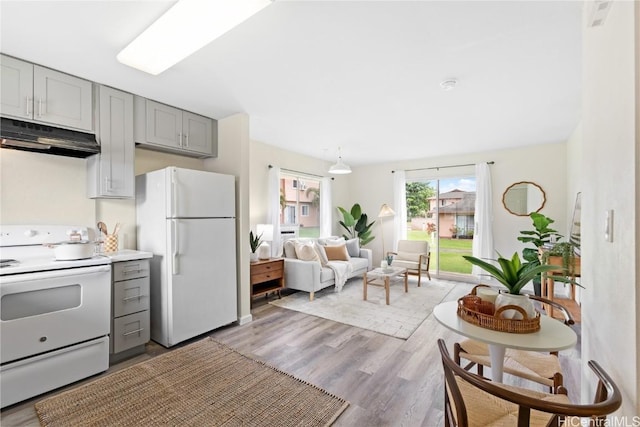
541,235
254,242
355,222
563,255
514,275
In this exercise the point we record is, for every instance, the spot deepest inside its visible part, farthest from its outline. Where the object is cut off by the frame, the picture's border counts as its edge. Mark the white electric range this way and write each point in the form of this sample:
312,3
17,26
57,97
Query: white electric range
54,315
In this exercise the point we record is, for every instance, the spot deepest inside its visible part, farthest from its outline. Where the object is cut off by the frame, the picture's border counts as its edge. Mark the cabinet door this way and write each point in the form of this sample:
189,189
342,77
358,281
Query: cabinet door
164,124
16,97
62,99
113,169
197,133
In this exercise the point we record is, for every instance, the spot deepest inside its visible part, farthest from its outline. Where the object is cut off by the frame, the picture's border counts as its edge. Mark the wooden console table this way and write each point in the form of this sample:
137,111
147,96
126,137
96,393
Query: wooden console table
267,276
547,282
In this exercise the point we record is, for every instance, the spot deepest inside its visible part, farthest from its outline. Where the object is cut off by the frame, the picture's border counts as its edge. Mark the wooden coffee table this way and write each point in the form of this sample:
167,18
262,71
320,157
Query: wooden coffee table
382,278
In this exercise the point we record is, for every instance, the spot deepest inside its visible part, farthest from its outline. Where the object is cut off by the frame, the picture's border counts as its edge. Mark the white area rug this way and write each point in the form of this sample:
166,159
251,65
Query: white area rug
400,318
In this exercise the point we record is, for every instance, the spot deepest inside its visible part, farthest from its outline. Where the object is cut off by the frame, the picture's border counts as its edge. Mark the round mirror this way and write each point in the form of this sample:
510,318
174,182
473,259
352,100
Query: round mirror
524,197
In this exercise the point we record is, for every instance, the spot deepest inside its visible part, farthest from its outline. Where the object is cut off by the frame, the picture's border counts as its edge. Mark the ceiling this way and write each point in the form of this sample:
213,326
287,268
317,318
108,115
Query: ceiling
361,75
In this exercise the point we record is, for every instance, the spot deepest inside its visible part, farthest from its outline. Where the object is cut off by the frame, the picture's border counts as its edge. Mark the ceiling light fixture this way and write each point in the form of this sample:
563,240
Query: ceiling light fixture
448,84
340,168
185,28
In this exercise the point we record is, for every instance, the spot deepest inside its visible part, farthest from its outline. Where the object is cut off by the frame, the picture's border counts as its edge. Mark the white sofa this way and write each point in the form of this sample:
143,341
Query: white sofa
311,276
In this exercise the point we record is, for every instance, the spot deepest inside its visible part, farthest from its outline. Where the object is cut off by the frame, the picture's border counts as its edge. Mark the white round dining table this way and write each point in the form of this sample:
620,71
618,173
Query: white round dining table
553,335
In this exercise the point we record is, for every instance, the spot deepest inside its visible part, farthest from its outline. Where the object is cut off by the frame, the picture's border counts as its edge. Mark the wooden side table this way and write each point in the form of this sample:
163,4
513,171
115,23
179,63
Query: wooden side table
267,276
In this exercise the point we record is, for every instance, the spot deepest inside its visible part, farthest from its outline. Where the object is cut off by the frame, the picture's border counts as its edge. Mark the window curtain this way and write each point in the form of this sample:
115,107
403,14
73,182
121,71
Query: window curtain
273,215
326,217
483,233
400,206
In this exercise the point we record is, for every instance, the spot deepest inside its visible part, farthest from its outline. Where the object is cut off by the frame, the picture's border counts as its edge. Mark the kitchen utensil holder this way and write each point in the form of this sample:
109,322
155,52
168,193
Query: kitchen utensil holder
111,243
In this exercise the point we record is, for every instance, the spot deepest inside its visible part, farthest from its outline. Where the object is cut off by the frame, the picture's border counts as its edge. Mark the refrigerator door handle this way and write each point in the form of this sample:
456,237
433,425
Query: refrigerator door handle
174,247
174,193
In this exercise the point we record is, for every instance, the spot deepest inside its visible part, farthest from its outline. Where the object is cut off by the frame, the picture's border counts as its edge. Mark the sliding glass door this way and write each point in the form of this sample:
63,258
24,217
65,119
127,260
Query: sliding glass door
442,211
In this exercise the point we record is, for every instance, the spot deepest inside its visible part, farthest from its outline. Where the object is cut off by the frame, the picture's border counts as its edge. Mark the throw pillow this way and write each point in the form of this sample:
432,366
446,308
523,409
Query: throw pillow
290,249
321,254
331,241
353,247
337,253
306,252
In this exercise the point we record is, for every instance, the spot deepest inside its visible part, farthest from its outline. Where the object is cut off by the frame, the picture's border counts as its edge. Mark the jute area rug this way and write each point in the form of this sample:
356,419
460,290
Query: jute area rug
202,384
399,319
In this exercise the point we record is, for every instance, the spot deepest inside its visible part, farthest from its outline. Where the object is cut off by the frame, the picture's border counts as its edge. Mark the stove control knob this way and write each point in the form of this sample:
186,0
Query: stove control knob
30,233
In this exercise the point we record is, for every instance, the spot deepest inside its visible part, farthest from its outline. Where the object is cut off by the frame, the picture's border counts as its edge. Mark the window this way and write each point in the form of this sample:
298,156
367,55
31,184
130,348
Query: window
300,204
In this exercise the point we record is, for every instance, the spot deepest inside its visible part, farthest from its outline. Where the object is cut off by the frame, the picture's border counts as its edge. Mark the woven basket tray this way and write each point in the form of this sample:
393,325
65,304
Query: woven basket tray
496,322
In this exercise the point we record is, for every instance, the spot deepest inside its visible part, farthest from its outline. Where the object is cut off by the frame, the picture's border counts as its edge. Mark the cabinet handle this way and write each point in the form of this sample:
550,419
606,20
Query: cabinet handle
136,297
107,184
186,140
133,269
27,101
133,332
39,107
180,139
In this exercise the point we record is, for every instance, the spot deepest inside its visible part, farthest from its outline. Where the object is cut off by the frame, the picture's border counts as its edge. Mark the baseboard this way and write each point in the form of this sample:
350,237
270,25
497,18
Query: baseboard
245,319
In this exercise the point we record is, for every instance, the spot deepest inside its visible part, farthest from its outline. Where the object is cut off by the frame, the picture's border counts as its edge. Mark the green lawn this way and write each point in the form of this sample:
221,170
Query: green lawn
451,251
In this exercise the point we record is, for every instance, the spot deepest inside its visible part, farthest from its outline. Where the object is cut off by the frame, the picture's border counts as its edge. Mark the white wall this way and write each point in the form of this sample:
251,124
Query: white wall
610,270
40,188
233,159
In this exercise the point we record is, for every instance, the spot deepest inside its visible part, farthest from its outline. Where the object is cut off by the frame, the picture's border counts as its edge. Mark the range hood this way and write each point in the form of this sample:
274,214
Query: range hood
27,136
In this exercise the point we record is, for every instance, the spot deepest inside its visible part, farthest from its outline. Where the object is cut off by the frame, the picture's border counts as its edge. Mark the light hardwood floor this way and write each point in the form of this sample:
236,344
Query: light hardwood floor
388,381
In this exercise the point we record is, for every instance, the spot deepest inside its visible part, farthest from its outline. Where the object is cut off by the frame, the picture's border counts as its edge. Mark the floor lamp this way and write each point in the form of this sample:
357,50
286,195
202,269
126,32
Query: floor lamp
385,212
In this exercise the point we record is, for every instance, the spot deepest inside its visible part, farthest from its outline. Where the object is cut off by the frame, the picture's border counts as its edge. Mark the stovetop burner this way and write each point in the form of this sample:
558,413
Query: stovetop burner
23,250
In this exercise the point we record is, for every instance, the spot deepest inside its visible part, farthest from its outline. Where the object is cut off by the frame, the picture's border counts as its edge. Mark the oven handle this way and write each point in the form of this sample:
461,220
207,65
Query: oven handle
27,277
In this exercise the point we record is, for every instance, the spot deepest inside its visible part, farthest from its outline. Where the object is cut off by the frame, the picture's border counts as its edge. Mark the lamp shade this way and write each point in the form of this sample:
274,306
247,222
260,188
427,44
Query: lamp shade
266,231
385,211
340,168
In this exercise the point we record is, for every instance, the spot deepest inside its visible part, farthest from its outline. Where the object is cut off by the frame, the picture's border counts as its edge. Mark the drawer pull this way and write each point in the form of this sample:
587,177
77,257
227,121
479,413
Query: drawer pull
133,332
135,297
138,270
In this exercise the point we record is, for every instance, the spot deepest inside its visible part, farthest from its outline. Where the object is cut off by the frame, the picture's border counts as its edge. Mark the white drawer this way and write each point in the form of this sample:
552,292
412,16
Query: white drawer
130,296
130,331
130,269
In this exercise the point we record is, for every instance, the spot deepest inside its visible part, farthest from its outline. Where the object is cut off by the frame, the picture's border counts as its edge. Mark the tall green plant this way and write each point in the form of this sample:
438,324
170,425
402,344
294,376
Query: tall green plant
355,223
540,235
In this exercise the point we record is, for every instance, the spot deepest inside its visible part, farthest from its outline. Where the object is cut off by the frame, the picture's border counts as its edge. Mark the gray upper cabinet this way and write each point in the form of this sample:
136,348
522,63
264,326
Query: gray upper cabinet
110,174
16,97
165,128
34,93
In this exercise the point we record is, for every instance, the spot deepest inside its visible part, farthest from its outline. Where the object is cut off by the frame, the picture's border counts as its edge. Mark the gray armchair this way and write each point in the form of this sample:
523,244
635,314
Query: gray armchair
413,255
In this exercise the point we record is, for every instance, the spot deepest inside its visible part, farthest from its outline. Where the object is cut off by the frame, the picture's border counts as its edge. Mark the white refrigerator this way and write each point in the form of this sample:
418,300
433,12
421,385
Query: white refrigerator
186,218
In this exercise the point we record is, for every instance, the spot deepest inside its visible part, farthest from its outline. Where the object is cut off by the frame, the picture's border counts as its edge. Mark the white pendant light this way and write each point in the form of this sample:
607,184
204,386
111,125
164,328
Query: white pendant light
185,28
340,168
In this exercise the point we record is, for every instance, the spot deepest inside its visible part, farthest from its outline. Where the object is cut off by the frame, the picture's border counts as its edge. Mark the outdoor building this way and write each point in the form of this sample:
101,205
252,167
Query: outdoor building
301,202
456,212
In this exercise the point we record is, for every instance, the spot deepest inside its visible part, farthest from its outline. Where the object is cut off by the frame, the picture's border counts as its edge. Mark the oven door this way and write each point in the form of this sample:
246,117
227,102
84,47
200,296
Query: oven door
44,311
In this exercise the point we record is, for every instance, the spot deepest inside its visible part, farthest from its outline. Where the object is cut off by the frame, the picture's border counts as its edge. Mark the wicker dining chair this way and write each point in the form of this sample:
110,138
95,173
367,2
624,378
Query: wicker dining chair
542,368
471,400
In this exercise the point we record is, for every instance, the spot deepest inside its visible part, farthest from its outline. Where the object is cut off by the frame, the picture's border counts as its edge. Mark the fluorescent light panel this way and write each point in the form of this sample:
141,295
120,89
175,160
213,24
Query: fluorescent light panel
185,28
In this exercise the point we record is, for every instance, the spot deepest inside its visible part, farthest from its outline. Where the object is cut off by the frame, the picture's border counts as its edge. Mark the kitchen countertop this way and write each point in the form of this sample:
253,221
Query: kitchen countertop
127,255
